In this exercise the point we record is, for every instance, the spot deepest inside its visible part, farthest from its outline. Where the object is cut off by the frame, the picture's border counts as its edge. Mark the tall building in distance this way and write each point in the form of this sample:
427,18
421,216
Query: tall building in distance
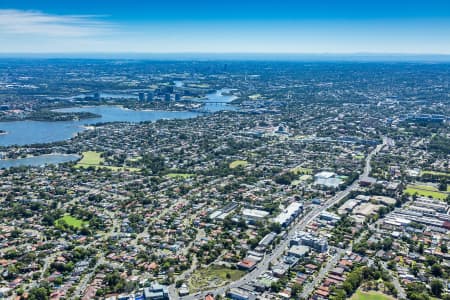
149,96
141,96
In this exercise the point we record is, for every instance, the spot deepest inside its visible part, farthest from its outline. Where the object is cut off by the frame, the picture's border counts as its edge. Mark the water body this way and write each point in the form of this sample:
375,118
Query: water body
31,132
218,101
37,161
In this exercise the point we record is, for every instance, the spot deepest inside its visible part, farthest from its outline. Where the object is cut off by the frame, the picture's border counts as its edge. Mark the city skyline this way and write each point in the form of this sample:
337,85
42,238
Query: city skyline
290,27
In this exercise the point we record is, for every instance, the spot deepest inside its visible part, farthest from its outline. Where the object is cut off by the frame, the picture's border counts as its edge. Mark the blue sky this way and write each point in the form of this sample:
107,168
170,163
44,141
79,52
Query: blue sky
227,26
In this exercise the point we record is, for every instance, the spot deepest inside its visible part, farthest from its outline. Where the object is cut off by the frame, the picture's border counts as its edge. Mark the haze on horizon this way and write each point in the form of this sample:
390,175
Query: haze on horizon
200,26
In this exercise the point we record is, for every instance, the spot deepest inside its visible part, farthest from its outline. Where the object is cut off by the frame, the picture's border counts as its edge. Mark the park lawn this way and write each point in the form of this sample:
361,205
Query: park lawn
371,295
436,173
114,168
301,170
94,159
91,158
134,159
213,276
426,191
238,163
71,221
296,182
180,175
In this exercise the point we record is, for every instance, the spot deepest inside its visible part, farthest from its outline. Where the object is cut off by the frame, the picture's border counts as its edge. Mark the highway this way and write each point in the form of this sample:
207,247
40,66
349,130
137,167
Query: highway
263,266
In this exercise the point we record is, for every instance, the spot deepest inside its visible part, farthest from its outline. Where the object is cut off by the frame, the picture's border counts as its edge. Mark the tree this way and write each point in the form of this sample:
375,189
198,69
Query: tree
39,293
443,185
275,286
420,249
178,283
391,288
436,270
436,287
295,290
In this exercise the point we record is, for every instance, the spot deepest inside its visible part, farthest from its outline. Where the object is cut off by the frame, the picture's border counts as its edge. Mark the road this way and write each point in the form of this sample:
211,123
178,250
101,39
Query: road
87,278
263,266
309,287
401,291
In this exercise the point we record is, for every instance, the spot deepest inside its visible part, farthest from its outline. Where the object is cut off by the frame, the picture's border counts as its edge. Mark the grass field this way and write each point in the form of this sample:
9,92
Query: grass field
212,276
94,159
71,221
372,295
238,163
426,191
436,173
90,159
301,170
180,175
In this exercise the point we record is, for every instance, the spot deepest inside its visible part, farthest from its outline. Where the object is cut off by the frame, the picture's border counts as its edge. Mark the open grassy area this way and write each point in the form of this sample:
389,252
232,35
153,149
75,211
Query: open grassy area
238,163
436,173
94,159
371,295
71,221
212,276
180,175
301,170
426,191
90,158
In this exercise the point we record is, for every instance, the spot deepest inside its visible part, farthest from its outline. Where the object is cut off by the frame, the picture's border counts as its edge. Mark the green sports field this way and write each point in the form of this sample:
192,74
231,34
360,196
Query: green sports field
426,191
238,163
71,221
372,295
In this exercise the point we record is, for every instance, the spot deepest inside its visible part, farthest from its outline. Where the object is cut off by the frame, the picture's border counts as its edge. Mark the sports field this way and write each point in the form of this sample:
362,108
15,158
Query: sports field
71,221
426,191
94,159
238,163
372,295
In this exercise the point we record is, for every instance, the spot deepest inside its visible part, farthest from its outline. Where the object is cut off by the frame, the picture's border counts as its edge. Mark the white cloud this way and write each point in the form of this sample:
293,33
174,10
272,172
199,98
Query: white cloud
26,22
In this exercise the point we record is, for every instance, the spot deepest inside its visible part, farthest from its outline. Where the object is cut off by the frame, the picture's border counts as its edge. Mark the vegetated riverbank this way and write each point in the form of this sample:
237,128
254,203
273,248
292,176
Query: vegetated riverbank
50,116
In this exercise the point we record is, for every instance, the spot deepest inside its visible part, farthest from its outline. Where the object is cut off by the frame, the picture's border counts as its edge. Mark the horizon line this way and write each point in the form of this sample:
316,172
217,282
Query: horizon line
371,56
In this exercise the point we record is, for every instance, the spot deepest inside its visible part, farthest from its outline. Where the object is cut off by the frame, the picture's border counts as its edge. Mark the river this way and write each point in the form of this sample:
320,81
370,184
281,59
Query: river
32,132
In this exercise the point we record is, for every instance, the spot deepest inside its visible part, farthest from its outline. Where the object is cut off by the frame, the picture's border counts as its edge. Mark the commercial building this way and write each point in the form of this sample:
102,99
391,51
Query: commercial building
330,217
298,251
254,215
239,294
267,240
156,291
291,212
310,240
328,179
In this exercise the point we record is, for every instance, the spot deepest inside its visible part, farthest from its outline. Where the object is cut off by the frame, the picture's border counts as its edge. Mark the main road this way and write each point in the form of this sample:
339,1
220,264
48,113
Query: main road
263,266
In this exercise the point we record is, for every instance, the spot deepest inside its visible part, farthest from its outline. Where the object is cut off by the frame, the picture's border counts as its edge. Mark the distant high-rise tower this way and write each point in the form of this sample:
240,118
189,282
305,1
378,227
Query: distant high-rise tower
177,97
167,97
149,96
141,96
